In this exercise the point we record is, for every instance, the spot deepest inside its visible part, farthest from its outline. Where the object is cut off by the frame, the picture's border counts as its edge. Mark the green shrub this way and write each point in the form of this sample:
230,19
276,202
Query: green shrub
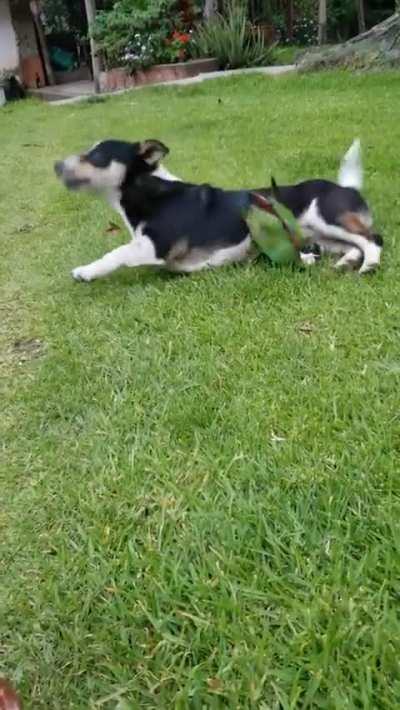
60,17
232,40
138,33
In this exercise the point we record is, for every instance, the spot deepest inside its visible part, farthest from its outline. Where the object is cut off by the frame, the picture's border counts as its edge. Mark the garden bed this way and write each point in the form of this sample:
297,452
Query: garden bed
124,78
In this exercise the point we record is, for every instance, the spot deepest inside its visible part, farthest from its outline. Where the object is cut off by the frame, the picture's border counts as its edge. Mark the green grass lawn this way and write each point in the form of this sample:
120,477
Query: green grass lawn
199,475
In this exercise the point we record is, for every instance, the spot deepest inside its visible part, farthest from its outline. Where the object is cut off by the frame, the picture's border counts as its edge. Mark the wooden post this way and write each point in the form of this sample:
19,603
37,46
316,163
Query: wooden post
322,22
91,14
35,10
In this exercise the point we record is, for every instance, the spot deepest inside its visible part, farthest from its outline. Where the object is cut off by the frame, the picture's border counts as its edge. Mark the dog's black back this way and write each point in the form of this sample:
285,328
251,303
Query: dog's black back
201,215
333,199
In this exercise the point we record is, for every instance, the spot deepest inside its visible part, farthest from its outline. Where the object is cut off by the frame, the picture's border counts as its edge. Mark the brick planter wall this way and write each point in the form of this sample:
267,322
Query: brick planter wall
121,78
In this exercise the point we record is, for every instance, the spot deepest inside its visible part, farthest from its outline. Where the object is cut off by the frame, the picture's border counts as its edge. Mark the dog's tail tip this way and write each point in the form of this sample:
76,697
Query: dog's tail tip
350,172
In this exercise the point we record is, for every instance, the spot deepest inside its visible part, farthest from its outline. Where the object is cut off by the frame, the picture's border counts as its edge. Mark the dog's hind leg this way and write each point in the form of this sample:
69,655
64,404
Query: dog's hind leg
234,254
350,259
139,252
353,233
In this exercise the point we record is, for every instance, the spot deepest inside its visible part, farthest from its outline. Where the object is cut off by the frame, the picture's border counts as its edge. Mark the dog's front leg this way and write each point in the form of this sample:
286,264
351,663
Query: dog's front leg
139,252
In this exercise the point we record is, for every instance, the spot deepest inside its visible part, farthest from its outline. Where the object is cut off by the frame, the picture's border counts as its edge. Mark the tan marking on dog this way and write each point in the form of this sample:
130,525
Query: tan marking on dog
354,223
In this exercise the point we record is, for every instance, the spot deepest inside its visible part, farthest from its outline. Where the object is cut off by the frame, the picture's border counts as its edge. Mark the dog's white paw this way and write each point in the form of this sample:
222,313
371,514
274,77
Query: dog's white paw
369,267
372,258
82,273
308,259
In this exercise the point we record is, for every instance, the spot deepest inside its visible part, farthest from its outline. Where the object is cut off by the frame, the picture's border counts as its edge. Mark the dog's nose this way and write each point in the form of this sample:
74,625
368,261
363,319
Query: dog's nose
58,167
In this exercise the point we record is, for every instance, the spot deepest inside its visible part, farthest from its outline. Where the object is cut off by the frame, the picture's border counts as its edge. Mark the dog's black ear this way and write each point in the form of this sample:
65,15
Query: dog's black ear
153,151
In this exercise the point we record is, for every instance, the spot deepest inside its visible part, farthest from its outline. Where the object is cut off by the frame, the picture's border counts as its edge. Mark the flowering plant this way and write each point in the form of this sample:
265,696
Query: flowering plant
305,31
140,51
139,33
177,46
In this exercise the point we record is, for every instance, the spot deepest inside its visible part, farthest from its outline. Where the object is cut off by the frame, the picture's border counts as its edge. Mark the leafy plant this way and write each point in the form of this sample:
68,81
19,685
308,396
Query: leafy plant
232,40
6,74
342,14
305,31
59,16
137,32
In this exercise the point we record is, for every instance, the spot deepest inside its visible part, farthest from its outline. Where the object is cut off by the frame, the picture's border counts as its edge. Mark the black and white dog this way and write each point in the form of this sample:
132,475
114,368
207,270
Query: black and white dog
335,216
185,227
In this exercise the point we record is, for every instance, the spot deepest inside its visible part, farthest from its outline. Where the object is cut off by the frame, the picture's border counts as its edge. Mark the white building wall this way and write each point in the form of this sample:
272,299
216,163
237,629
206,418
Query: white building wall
8,42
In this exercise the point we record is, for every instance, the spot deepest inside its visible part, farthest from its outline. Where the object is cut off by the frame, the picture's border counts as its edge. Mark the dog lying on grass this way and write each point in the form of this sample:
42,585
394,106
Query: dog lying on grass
185,227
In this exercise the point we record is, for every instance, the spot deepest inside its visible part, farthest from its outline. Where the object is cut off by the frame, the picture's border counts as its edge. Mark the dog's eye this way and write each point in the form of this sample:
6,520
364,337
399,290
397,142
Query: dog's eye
98,159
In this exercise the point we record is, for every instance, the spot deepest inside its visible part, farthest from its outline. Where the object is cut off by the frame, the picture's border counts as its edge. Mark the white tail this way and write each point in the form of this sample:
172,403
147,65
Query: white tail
350,171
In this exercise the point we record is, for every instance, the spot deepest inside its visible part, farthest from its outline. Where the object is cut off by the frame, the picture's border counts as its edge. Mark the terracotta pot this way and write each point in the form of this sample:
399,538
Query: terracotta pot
267,32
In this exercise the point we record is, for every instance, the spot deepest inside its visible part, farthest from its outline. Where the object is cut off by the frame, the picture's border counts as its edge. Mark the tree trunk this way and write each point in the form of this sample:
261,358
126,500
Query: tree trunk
289,19
210,8
379,47
322,22
361,16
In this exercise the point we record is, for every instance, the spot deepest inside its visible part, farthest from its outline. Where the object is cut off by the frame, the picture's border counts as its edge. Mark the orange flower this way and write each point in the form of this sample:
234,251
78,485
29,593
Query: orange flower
181,37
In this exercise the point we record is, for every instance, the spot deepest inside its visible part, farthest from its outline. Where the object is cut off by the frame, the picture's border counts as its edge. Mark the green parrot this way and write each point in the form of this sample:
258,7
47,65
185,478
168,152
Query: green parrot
274,229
